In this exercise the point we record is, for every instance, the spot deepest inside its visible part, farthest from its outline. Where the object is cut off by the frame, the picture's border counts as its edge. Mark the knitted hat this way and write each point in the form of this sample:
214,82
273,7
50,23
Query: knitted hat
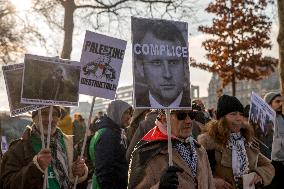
270,96
34,113
246,111
227,104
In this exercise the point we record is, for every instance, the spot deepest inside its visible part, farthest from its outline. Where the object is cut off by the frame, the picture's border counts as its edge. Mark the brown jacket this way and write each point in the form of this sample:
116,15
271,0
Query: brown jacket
223,161
19,170
147,174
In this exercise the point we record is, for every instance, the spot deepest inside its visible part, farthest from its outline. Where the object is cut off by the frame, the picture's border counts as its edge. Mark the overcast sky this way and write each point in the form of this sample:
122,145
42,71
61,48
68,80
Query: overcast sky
197,76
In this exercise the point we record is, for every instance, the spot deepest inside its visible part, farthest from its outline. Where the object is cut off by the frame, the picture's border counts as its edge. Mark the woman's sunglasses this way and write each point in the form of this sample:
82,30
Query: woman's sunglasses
183,115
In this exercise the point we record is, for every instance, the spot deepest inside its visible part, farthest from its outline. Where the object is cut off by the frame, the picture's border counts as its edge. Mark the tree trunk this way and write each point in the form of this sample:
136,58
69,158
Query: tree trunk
280,40
69,8
233,85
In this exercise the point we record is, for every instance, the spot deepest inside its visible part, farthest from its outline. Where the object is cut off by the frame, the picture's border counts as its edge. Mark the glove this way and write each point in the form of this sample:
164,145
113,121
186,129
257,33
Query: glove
169,178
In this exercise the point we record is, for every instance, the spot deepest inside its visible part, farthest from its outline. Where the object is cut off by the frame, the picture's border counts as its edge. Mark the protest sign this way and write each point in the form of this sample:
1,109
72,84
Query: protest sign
50,81
160,64
4,144
13,75
261,114
101,60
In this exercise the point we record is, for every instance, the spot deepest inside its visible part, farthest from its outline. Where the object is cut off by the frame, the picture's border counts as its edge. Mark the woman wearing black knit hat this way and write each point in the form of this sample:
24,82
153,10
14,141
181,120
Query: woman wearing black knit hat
227,141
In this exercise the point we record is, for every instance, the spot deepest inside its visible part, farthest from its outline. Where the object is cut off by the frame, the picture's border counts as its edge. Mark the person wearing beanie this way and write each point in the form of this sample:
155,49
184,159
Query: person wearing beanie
25,162
275,100
269,97
107,148
227,141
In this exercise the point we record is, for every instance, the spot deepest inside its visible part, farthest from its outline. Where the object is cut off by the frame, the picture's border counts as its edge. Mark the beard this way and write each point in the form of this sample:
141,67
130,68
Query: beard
279,110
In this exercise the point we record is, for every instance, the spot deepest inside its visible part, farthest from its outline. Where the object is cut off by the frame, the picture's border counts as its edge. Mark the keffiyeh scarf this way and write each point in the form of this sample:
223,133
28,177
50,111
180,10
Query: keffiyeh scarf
240,164
188,153
59,160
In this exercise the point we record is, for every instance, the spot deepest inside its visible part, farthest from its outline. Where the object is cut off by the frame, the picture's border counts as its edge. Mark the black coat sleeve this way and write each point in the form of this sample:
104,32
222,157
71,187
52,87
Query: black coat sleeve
106,153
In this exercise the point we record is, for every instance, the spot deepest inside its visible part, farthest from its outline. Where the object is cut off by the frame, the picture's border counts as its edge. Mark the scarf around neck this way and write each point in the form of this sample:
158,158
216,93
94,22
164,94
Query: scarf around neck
240,164
188,153
59,160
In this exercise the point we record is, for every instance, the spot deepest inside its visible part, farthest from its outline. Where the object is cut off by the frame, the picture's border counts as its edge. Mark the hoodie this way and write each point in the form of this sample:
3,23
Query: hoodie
111,165
116,109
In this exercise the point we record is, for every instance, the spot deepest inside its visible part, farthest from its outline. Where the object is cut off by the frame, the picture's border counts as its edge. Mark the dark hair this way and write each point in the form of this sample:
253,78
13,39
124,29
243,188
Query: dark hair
161,29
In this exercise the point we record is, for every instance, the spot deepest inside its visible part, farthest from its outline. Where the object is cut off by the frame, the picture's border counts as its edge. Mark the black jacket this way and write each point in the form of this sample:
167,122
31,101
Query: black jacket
110,165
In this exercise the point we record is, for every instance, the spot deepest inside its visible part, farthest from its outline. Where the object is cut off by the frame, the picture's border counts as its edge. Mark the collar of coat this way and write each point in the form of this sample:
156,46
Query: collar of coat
209,143
155,134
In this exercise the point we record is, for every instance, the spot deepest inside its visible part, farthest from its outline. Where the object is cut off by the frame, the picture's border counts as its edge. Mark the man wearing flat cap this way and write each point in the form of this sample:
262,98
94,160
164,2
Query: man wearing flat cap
24,163
275,100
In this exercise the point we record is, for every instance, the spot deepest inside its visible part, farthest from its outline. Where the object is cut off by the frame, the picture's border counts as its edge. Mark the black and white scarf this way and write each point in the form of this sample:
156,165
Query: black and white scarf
59,160
188,153
240,164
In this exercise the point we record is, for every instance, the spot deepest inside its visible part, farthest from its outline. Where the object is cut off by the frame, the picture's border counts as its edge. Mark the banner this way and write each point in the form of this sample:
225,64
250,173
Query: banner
160,64
50,81
101,60
13,75
261,114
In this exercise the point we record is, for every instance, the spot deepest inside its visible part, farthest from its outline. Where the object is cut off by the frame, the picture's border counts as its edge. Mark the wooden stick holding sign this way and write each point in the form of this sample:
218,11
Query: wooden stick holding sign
100,70
45,183
169,132
86,135
48,140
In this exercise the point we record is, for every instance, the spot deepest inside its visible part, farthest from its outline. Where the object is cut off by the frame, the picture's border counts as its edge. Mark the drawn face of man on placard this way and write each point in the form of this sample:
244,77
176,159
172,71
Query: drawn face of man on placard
163,73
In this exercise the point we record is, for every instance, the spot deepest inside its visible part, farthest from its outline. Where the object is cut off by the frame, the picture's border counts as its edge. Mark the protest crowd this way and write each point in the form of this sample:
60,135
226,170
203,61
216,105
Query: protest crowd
166,140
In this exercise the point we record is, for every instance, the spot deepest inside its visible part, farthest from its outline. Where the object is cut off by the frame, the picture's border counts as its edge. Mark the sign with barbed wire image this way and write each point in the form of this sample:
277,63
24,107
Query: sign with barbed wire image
261,115
50,81
101,61
13,75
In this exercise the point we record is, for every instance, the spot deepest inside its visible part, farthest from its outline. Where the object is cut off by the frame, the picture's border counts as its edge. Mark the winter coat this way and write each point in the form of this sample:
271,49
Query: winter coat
66,125
79,129
220,158
142,129
110,162
277,153
150,159
137,118
20,171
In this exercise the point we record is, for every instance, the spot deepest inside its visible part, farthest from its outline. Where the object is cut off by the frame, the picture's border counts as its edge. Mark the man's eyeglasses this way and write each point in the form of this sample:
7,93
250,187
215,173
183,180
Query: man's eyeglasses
183,115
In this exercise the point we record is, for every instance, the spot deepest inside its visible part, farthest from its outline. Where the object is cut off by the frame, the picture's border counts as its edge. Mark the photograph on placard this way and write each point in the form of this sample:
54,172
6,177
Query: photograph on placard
160,63
50,81
101,59
13,79
261,114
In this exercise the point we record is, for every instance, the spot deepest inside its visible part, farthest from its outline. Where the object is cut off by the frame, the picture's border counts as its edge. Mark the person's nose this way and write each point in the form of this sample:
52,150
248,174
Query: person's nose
239,117
188,120
167,74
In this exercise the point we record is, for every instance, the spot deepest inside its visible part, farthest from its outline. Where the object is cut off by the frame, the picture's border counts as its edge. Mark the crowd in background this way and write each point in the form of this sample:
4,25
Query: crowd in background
127,148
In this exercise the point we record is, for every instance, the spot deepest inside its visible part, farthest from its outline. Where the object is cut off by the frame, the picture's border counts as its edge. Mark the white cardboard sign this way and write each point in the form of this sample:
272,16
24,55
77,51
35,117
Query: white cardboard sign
160,64
261,113
101,59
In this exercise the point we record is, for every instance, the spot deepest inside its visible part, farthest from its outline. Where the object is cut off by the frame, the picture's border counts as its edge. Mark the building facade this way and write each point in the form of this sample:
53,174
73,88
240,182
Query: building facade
243,88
